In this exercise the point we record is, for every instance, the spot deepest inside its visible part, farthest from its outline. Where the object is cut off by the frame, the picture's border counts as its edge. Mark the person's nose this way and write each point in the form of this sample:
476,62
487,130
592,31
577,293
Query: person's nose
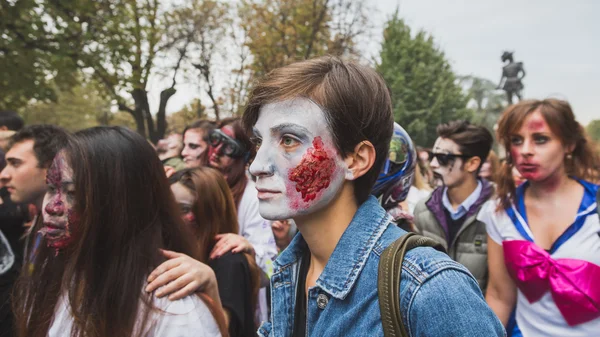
433,164
55,206
262,165
527,149
5,176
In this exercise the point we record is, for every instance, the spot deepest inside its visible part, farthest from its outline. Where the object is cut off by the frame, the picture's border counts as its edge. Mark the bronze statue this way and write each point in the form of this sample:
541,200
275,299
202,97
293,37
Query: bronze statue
510,80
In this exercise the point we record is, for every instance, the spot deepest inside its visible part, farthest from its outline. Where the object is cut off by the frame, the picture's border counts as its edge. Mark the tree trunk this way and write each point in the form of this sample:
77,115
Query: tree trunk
142,113
161,120
137,116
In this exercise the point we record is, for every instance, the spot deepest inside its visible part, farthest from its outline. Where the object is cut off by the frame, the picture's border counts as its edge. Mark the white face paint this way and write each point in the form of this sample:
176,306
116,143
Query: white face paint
298,169
451,173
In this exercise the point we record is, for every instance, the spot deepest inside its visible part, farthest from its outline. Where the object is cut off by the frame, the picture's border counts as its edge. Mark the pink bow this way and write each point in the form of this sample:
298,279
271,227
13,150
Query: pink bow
574,284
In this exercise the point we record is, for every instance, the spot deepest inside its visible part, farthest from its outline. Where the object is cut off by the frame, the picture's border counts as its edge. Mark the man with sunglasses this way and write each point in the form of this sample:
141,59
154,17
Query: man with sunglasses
449,215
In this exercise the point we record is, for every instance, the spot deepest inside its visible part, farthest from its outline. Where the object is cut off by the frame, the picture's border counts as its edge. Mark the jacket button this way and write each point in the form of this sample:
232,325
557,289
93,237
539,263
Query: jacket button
322,301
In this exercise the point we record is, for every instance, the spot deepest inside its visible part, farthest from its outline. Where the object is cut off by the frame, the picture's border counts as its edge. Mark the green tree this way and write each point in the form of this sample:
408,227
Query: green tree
283,31
123,53
80,107
487,102
424,88
593,130
39,46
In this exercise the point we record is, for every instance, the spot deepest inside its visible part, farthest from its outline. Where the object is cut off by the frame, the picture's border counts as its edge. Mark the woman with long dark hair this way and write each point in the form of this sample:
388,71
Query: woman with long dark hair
230,151
107,213
209,210
543,236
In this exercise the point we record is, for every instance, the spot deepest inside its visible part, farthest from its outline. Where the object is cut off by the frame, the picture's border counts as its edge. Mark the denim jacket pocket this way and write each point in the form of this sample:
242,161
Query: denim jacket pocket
265,329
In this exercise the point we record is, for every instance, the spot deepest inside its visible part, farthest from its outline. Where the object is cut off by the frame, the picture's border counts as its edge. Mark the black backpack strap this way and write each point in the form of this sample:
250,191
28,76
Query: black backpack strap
388,281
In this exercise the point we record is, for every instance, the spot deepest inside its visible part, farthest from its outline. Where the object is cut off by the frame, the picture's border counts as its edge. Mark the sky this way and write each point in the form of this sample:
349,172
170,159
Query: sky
557,40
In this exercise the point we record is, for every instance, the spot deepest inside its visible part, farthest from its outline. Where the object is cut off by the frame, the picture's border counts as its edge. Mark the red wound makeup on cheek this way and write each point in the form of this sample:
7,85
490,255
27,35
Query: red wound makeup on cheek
314,172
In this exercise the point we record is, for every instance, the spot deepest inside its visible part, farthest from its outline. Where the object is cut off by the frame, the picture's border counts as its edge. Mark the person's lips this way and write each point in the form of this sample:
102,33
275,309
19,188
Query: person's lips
53,229
10,189
527,167
264,193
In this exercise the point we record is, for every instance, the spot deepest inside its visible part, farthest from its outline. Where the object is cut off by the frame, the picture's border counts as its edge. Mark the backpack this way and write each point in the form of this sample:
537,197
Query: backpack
388,281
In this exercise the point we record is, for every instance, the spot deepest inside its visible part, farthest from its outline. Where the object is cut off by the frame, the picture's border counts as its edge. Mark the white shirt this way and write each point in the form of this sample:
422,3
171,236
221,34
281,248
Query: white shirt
256,229
187,317
414,196
466,204
542,318
259,233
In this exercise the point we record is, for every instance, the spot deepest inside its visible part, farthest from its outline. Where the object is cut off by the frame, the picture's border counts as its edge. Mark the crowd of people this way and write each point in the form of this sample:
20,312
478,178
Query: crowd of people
274,224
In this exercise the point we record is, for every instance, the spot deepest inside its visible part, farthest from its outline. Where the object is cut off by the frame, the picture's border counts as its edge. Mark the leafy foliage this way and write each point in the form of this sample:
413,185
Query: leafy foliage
424,89
593,130
78,108
283,31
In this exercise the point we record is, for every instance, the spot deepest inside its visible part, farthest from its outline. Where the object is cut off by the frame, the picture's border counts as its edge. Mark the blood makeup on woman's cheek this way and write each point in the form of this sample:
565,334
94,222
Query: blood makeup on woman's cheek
314,172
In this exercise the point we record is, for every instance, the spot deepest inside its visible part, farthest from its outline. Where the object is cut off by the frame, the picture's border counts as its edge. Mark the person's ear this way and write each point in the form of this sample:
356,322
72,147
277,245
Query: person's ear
361,160
472,164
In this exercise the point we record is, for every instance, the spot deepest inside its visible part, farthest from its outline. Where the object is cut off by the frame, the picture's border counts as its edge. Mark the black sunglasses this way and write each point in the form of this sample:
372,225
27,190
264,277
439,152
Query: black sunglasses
444,158
231,147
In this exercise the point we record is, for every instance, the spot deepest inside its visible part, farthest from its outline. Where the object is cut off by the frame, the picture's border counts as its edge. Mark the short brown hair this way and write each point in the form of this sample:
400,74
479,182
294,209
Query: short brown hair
472,140
354,98
561,120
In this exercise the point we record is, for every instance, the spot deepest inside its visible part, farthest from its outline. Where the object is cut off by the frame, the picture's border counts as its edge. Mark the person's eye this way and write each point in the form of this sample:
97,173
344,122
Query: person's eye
71,193
288,141
516,140
541,139
50,188
257,142
194,146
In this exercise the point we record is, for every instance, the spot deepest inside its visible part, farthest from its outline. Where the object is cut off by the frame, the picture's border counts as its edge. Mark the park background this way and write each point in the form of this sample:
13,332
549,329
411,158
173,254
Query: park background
157,65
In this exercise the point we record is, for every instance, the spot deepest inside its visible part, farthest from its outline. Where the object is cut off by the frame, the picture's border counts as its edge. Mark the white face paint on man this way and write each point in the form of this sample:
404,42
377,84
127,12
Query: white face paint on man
298,169
451,170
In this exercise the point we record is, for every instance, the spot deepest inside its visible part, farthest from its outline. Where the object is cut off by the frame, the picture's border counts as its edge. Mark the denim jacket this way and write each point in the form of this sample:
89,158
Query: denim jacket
438,297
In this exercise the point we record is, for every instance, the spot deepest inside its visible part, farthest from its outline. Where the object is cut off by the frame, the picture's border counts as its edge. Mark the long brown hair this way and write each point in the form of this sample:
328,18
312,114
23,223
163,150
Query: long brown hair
559,116
236,173
127,212
215,213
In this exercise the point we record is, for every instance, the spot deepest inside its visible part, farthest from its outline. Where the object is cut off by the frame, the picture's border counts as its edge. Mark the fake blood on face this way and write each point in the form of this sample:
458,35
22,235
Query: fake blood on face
189,218
60,214
314,172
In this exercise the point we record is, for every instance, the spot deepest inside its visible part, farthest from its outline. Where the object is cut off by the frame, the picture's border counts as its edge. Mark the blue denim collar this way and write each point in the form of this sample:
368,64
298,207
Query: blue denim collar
350,254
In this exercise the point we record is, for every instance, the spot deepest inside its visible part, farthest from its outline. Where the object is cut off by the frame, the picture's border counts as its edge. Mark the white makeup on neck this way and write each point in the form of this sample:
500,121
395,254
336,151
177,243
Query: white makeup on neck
298,168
